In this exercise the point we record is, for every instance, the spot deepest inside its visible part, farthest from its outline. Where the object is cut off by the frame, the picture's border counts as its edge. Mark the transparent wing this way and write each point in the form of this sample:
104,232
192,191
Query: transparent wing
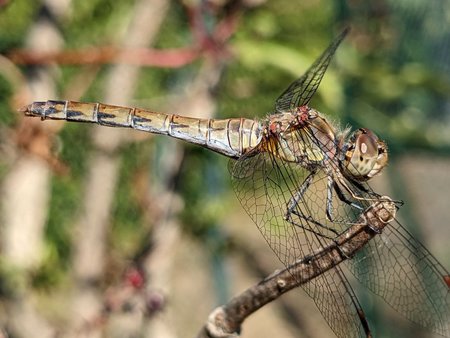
407,276
336,301
393,265
300,91
400,269
265,186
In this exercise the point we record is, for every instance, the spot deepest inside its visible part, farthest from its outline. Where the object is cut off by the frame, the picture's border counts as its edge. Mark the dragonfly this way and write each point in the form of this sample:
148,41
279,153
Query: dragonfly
303,181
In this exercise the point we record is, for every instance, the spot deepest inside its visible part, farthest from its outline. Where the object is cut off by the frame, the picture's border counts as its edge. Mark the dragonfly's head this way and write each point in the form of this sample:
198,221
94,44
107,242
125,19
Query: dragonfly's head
364,155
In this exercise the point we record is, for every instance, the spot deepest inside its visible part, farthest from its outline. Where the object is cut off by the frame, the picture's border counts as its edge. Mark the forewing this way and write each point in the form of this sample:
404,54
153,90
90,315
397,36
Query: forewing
398,268
261,183
265,185
300,91
336,301
407,276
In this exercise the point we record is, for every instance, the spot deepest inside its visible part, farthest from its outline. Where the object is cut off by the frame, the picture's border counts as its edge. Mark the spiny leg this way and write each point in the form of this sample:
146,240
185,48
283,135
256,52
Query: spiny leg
293,201
294,204
293,208
360,186
350,191
370,192
332,185
344,198
313,221
329,202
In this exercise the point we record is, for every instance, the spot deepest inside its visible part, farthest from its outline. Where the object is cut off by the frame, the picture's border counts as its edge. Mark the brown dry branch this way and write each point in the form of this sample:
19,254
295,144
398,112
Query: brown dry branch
226,320
142,56
173,58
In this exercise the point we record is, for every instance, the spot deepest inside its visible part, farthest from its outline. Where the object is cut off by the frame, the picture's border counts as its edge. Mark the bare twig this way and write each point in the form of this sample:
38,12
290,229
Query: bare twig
226,320
108,55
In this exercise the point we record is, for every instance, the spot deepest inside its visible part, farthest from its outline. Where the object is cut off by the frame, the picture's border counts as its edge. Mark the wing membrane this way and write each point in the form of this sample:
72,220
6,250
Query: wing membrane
265,186
399,269
394,266
300,91
407,276
336,301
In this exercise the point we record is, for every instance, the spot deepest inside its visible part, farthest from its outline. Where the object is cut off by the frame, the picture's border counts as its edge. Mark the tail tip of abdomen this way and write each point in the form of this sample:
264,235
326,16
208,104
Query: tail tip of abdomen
25,109
33,109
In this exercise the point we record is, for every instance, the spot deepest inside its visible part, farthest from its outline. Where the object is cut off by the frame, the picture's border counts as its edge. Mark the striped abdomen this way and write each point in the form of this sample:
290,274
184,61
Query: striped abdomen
230,137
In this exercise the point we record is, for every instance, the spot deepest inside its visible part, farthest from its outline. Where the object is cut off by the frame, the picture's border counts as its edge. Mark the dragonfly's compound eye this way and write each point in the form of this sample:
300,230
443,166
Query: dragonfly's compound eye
366,155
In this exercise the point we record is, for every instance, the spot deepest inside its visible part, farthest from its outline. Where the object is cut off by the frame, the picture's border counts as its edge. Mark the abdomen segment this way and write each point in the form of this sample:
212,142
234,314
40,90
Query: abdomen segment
231,137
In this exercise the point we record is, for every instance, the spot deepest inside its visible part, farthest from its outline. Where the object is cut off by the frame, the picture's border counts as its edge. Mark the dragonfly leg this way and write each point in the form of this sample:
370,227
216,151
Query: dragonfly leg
292,209
331,185
308,258
360,186
295,199
329,203
344,198
354,196
376,196
289,218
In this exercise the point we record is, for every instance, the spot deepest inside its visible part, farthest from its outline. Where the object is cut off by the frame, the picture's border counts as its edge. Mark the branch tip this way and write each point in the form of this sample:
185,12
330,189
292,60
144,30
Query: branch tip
217,324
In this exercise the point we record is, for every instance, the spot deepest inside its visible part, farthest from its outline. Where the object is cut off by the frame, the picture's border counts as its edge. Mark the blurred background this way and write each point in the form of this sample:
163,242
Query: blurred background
118,233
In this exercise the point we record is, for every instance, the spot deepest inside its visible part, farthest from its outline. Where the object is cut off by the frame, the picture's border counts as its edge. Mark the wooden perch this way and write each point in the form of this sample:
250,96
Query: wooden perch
226,320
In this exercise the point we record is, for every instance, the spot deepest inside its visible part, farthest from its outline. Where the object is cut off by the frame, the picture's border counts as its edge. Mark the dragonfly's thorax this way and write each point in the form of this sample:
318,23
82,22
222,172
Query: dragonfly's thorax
363,156
302,136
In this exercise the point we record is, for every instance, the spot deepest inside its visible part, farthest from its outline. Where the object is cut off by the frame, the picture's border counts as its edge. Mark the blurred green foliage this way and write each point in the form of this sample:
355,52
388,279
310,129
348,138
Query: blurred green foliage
7,118
15,21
